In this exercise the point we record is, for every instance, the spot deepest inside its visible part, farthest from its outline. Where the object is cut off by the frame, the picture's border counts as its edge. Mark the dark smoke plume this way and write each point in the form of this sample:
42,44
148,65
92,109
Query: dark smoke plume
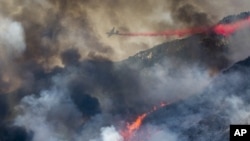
4,107
60,78
58,25
14,133
190,14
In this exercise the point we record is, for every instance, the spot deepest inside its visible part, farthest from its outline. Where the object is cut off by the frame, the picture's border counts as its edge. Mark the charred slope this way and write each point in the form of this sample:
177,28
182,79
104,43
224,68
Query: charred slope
205,50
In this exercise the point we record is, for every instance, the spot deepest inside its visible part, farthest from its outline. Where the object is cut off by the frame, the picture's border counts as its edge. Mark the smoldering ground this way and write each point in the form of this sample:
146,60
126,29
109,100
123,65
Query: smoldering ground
57,78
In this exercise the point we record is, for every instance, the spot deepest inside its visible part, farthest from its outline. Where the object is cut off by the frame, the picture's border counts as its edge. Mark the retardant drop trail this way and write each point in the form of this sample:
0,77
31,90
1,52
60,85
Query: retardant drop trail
229,29
220,29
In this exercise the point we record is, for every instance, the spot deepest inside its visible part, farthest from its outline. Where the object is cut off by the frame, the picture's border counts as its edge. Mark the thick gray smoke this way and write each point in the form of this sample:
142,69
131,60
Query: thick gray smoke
12,45
57,25
59,79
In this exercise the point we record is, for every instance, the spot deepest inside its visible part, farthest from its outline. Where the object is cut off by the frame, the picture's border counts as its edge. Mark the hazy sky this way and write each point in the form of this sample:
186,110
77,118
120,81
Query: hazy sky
83,23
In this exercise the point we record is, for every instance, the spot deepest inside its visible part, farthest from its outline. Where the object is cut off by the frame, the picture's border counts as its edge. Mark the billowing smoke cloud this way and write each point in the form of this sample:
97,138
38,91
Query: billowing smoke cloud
224,102
12,38
14,133
12,46
188,12
51,116
151,132
58,25
58,80
109,133
4,107
73,108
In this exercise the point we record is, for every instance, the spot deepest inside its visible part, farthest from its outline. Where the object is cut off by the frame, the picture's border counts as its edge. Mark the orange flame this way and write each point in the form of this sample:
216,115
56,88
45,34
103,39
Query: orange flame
134,126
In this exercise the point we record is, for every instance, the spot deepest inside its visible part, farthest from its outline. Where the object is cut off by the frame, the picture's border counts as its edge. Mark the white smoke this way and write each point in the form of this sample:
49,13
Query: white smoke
240,110
163,136
239,45
163,82
51,115
47,114
12,46
12,38
110,134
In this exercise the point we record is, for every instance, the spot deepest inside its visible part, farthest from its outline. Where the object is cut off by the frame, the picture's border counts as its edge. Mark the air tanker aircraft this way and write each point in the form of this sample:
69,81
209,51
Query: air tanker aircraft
112,32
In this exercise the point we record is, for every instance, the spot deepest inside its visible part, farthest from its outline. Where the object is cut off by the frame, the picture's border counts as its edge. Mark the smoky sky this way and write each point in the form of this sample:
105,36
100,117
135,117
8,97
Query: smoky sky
61,77
56,25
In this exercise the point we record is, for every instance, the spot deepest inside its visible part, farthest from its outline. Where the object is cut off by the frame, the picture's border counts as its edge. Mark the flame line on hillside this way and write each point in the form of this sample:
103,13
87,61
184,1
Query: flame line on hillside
131,128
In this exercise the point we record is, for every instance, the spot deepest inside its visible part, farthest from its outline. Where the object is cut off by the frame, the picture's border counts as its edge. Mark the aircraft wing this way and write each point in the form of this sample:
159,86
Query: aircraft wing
112,32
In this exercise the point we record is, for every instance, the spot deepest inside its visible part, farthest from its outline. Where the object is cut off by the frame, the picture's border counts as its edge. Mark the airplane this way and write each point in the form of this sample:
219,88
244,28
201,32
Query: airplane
112,32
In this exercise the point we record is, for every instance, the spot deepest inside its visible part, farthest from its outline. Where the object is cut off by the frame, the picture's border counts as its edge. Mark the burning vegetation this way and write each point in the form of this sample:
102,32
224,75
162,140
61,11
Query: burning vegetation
62,79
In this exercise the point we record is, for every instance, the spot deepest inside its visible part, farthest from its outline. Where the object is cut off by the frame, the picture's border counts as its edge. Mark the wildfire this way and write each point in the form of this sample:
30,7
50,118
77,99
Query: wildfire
136,124
133,127
130,130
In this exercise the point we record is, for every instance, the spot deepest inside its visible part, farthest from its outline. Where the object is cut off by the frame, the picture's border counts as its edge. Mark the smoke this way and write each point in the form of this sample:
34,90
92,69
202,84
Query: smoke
225,101
4,107
12,39
164,83
110,134
71,103
12,46
14,133
172,33
240,108
58,25
151,132
239,48
45,117
59,81
189,13
163,135
73,108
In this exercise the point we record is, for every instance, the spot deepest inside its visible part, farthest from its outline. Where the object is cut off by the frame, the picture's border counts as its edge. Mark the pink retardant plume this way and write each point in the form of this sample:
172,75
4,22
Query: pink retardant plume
168,33
229,29
220,29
